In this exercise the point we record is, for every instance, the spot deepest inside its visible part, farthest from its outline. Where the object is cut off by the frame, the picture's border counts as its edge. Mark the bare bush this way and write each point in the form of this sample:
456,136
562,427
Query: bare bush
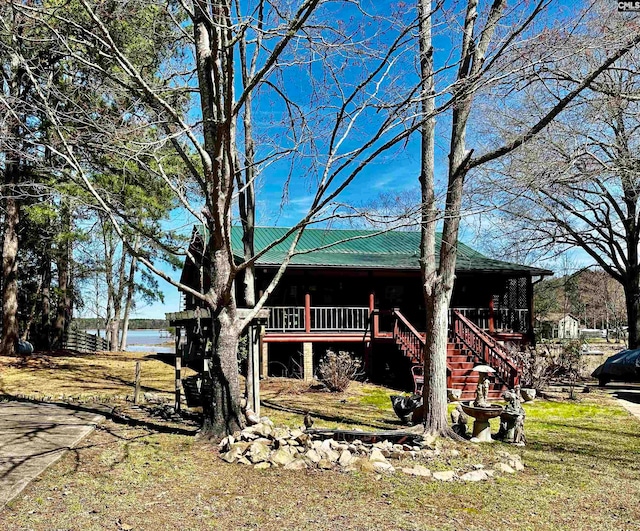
336,371
536,366
544,363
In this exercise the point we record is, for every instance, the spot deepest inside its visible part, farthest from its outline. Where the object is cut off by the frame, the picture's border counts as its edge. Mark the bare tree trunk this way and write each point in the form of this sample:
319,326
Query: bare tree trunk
438,279
11,243
63,314
435,392
10,248
117,301
26,333
45,322
435,350
130,291
247,205
112,324
221,411
632,300
215,65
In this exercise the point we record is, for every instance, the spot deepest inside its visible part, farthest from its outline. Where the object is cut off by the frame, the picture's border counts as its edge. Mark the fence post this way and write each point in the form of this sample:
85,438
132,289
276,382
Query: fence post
176,406
136,390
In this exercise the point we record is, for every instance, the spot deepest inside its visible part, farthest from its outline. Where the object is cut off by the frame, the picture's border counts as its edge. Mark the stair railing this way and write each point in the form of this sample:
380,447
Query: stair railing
407,337
484,346
411,341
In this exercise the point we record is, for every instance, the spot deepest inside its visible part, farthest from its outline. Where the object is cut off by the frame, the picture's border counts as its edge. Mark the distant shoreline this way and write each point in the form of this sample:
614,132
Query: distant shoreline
87,323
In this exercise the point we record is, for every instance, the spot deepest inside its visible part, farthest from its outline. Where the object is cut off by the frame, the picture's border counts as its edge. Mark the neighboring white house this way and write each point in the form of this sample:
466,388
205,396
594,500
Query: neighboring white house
560,326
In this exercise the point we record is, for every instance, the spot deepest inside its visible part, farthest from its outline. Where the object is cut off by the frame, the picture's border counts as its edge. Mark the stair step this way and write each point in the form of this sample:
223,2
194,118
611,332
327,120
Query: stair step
460,359
472,380
461,372
467,365
461,383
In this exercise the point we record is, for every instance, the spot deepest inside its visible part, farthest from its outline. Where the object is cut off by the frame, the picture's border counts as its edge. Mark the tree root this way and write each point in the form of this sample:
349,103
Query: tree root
444,433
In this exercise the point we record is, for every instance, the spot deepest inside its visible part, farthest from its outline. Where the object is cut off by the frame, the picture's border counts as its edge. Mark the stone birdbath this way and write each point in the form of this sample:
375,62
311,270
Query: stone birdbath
480,409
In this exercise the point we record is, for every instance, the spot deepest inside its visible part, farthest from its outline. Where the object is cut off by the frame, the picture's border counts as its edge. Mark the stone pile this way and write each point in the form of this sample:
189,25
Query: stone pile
265,446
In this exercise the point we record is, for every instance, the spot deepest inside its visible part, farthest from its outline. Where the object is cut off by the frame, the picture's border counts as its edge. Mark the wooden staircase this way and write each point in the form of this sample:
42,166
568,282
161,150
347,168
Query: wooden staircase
460,363
469,346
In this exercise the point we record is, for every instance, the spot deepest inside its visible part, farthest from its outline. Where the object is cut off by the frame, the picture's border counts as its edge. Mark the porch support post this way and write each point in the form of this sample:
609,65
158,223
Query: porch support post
492,322
180,351
254,360
264,361
530,333
369,346
307,361
307,313
376,316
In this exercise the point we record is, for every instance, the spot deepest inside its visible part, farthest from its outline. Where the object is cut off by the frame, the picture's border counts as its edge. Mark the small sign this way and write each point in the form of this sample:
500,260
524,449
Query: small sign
629,6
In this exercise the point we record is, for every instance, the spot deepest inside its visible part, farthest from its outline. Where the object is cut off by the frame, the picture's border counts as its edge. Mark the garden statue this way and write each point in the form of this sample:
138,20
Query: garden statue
518,434
482,391
459,419
512,419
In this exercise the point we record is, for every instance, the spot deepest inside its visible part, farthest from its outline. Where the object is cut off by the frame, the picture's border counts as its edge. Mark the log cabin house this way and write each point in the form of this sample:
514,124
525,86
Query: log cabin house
360,291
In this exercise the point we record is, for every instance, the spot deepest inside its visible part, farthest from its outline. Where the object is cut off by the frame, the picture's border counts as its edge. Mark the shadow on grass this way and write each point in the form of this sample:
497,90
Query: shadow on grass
583,427
343,419
87,373
594,458
165,357
108,412
628,396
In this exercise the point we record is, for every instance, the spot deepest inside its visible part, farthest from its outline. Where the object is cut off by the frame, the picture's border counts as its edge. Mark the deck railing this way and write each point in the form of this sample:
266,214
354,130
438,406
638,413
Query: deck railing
321,319
286,319
408,339
514,319
356,318
337,319
411,343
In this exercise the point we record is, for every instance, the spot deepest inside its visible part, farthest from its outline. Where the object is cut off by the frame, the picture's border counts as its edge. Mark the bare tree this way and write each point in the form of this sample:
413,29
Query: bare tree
352,101
577,184
490,58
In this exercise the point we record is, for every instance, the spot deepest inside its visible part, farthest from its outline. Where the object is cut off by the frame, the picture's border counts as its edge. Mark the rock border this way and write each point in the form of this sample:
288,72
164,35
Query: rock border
264,445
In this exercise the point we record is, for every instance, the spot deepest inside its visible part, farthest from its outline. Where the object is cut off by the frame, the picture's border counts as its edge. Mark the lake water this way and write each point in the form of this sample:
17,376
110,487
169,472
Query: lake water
146,340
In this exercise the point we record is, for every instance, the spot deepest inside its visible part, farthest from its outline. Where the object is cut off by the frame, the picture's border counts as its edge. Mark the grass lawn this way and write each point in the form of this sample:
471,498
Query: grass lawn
103,376
582,458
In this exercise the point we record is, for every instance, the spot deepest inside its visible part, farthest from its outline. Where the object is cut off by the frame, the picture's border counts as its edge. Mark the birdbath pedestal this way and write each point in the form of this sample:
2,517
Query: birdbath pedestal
481,416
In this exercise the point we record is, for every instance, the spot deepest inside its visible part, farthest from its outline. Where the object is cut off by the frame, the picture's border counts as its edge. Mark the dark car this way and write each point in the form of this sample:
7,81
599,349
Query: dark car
622,367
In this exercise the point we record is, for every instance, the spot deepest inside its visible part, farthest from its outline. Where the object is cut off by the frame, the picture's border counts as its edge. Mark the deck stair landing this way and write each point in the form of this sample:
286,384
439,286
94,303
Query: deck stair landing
463,353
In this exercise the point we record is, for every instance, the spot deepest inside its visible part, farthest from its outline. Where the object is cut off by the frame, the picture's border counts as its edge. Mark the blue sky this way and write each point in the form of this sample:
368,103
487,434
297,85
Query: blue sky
396,171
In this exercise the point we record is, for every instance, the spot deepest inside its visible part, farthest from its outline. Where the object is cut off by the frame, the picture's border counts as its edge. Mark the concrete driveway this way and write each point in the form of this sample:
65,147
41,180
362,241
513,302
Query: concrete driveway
628,394
33,436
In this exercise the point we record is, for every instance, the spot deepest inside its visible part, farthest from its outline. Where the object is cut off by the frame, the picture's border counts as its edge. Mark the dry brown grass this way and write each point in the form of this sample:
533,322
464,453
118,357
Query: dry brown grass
65,374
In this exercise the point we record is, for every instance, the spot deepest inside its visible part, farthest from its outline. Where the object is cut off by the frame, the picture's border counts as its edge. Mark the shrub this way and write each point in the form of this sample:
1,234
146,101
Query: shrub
571,361
544,363
536,366
335,371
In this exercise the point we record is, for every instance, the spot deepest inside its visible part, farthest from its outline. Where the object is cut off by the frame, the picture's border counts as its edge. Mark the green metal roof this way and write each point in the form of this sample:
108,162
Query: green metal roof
366,249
